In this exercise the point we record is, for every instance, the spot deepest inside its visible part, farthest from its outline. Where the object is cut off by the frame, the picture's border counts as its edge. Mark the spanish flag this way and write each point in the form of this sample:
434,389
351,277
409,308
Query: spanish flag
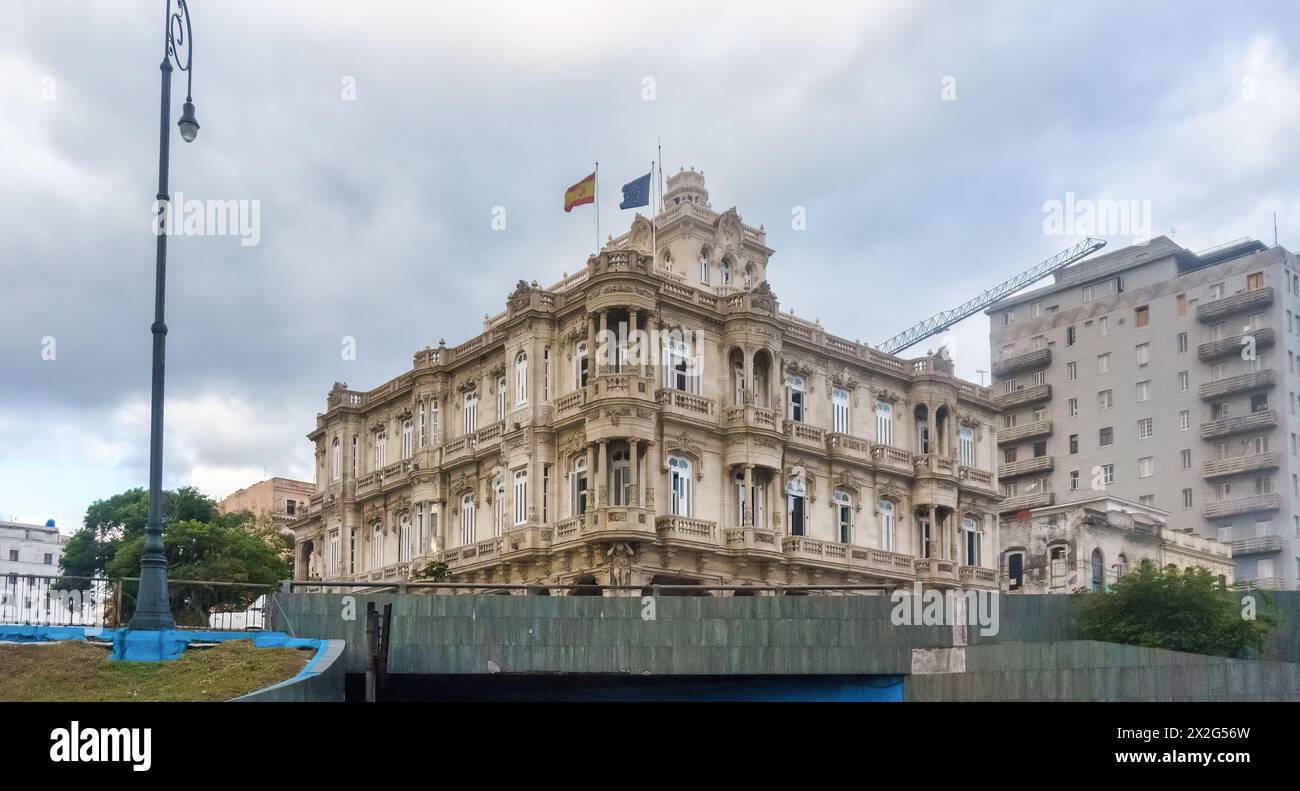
582,192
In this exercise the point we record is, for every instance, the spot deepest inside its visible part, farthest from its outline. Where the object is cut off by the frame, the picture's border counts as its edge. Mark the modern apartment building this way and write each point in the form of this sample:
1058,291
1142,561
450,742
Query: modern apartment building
1164,377
657,418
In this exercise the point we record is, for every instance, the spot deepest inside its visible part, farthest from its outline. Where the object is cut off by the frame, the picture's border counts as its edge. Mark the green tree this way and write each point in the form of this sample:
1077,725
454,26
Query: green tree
122,517
229,548
1187,610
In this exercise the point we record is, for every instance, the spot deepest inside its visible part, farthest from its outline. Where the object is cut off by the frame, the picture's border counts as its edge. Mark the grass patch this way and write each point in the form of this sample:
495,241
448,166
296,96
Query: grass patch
76,671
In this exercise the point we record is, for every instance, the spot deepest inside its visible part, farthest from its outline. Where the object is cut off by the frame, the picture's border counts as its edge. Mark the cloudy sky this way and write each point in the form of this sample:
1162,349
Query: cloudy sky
921,139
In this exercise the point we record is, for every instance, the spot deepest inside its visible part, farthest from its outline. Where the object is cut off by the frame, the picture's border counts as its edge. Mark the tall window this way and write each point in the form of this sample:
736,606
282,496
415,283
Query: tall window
435,429
794,387
679,473
404,538
1015,570
408,435
521,378
973,541
420,429
471,412
704,268
377,546
884,423
546,375
418,538
499,506
724,273
501,398
620,477
678,374
844,517
354,456
335,552
580,364
737,384
336,460
579,494
888,525
840,401
740,497
467,519
521,496
966,446
381,449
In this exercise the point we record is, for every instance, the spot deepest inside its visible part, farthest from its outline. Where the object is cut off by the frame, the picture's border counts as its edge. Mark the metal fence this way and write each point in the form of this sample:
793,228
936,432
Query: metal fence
110,602
574,589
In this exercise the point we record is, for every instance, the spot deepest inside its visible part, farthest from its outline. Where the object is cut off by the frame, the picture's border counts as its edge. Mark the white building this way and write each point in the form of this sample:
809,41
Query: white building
29,550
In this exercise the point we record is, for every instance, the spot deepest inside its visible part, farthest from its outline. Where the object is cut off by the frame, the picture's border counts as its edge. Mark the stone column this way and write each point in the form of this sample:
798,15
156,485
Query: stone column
602,482
604,328
631,334
747,386
591,345
936,541
634,472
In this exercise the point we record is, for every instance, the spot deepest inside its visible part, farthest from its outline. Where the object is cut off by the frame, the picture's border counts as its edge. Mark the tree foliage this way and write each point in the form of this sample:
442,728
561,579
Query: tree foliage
1188,610
111,522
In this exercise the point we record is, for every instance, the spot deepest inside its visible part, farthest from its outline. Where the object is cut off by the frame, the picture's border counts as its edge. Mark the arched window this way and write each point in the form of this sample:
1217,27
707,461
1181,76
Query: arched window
521,378
888,526
377,546
408,436
471,412
1121,566
749,276
521,495
737,384
884,423
498,506
580,364
844,517
681,372
1057,560
974,541
840,402
679,472
501,398
467,519
354,456
435,430
966,446
579,494
381,450
795,490
1016,570
724,273
336,460
1098,582
404,539
620,477
740,497
794,386
704,265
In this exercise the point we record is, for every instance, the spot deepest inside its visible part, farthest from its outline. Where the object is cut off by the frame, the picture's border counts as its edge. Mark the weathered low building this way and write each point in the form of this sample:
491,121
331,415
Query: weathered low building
656,418
281,499
1092,543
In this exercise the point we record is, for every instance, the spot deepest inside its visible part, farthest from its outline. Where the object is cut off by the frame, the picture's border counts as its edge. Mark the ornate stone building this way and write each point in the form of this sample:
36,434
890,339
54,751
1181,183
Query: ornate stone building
656,418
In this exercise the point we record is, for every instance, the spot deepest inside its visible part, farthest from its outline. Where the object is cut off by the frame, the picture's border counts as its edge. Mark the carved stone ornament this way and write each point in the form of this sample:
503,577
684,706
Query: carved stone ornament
888,396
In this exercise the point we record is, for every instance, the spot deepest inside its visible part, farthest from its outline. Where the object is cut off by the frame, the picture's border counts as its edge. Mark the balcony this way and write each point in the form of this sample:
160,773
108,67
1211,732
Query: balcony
1024,502
684,404
1038,428
1232,345
978,577
1263,419
1022,362
1260,545
811,437
849,557
1239,464
973,477
933,570
1236,506
1260,583
750,416
1023,396
890,458
1026,467
844,447
754,539
1237,303
1243,383
689,531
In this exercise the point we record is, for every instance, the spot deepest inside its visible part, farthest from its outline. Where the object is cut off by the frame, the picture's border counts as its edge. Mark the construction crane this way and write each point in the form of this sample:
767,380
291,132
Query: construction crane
940,322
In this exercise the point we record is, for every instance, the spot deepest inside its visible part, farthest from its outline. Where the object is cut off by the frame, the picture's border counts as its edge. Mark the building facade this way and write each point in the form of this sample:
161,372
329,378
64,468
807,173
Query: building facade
1165,377
29,550
1092,543
656,418
281,499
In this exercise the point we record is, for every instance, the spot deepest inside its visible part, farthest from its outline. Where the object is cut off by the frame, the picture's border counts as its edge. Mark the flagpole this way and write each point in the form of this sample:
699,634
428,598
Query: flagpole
597,191
654,222
661,173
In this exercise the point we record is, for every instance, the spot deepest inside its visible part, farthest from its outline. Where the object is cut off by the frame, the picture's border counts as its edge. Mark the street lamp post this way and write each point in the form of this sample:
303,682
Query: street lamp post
153,610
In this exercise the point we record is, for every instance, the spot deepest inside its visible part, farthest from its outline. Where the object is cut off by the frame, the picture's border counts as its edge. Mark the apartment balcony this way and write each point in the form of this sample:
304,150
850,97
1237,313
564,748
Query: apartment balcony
687,531
935,571
805,435
890,458
1016,469
934,464
849,557
1232,345
487,440
751,539
1024,502
683,404
1039,358
1237,506
1038,428
842,447
1260,583
1242,383
1223,427
1237,303
1023,396
1260,545
1239,464
751,417
974,478
978,577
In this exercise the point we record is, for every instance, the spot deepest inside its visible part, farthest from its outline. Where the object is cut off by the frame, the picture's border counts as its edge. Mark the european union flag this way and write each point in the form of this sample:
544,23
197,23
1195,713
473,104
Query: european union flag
636,193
